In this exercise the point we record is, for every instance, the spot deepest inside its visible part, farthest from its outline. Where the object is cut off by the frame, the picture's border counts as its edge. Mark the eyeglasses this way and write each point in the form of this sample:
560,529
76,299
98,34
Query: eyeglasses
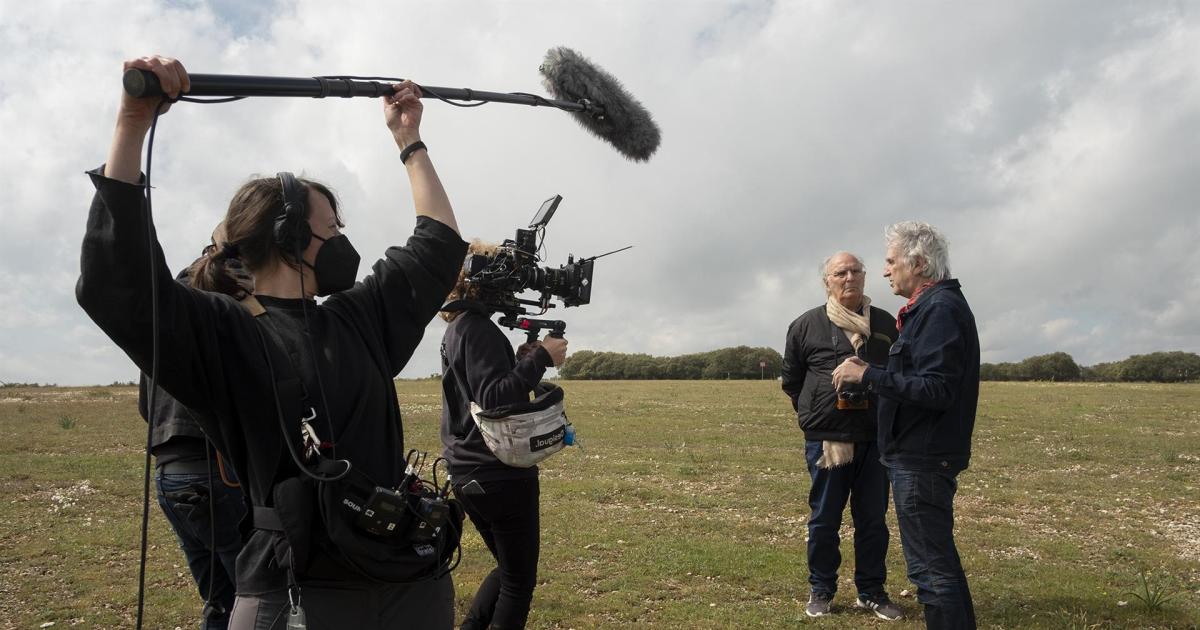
847,273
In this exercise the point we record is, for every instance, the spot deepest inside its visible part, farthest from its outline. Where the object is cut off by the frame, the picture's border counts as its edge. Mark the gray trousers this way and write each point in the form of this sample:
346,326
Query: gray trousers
427,605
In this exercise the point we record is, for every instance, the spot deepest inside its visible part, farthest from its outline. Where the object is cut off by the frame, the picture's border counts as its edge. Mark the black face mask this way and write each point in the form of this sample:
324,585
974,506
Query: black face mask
336,266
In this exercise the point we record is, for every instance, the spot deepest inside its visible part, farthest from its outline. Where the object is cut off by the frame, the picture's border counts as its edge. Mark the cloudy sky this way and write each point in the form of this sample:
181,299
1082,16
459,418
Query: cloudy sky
1057,144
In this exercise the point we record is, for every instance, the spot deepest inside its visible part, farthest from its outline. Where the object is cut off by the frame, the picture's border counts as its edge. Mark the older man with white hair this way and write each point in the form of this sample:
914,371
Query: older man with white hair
839,432
928,391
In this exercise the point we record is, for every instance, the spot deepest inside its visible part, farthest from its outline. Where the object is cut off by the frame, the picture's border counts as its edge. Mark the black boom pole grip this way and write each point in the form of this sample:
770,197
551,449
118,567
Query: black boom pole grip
139,83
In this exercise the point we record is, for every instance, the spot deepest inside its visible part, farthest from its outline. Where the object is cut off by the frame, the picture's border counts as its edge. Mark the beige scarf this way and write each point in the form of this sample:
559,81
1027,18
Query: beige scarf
858,328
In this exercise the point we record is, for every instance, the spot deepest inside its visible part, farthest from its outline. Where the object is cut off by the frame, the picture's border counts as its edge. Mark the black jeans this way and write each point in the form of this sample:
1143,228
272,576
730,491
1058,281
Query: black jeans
864,483
185,500
426,605
925,511
506,515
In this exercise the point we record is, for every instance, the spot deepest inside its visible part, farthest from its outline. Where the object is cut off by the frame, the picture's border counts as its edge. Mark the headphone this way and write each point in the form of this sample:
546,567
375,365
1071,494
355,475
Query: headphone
292,232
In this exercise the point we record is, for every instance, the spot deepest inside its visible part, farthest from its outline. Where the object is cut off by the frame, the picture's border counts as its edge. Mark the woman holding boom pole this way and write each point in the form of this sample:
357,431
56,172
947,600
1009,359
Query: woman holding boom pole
222,359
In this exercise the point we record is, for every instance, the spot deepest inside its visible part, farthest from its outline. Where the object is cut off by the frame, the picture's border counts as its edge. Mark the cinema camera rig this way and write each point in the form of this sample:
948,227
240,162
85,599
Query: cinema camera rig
513,269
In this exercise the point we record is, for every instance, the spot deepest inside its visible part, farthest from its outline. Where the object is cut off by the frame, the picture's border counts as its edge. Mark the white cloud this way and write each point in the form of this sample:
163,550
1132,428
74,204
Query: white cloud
1055,143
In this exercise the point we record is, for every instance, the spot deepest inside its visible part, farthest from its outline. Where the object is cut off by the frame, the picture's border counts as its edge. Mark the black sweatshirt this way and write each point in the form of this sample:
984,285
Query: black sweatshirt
478,360
175,434
211,358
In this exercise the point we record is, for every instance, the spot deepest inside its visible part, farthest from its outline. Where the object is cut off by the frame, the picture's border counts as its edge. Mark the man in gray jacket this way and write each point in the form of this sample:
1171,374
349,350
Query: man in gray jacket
839,431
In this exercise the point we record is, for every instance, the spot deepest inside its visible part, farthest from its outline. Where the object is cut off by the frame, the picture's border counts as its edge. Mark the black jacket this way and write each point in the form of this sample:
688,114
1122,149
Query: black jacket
212,359
478,365
930,386
814,348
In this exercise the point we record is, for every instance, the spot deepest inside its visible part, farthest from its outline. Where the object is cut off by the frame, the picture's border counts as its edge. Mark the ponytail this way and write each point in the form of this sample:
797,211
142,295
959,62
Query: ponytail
220,270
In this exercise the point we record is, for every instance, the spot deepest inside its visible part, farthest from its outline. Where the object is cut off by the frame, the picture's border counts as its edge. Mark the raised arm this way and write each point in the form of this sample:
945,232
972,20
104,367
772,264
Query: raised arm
135,115
403,111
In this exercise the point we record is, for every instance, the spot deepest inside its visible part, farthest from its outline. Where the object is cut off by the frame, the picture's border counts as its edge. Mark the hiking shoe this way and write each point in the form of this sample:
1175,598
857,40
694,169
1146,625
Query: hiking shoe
818,604
881,606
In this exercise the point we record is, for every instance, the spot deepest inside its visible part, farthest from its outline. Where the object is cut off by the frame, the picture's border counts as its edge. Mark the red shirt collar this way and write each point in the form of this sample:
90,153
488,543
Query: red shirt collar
912,300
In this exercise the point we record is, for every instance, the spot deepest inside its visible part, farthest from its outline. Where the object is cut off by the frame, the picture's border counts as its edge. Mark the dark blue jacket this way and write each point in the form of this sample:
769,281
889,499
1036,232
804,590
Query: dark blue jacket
929,390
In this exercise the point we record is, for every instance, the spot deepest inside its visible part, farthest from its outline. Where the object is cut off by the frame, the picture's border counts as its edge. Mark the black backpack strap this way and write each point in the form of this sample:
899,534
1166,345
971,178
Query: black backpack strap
266,518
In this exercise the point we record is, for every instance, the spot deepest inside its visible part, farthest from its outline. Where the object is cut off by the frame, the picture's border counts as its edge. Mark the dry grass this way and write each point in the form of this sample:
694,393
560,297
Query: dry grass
685,508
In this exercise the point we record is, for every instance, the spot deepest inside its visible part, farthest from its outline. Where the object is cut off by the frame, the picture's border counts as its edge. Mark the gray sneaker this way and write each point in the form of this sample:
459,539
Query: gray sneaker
881,605
818,604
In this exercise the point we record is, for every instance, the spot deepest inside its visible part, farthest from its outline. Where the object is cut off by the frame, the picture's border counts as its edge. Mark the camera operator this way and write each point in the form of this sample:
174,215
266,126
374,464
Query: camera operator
215,358
198,495
478,365
839,431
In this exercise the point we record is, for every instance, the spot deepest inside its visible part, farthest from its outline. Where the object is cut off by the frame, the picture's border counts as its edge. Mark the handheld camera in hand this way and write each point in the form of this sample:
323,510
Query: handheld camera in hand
853,398
514,269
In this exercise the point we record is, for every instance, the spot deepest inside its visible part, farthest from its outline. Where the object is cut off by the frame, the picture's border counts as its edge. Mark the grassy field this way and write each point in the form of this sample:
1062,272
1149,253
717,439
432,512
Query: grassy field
685,508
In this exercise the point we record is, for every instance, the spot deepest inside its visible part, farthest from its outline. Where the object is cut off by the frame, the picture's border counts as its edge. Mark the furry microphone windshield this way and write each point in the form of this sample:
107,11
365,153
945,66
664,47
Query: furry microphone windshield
622,121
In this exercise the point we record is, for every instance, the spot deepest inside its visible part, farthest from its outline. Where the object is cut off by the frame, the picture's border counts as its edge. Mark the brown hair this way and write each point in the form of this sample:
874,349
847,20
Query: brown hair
464,290
250,233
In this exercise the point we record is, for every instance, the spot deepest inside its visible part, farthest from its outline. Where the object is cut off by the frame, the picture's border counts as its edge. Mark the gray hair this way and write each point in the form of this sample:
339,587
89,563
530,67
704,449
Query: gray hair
917,240
825,267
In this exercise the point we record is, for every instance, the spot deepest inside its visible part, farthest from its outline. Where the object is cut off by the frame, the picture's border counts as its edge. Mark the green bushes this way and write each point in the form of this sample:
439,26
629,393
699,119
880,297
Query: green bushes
1160,367
742,362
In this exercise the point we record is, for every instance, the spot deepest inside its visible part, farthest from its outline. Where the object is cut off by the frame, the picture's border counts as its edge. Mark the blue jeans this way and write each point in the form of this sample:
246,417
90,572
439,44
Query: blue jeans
185,500
864,483
925,511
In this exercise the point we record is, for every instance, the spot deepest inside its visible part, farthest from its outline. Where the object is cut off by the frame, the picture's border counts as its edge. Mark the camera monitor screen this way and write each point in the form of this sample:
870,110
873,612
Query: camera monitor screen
545,212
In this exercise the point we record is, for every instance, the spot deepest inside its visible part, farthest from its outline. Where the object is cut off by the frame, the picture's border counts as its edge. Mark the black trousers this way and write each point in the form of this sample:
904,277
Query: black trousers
427,605
506,515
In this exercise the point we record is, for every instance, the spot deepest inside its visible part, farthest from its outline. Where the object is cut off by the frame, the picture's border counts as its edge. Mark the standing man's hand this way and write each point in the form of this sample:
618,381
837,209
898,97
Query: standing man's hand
850,372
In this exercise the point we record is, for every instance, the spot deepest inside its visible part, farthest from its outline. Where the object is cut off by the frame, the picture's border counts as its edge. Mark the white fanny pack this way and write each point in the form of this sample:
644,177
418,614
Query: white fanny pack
524,434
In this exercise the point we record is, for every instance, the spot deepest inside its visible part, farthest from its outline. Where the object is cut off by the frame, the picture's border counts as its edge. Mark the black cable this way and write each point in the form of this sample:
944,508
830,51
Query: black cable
538,100
151,241
193,99
450,102
312,350
212,533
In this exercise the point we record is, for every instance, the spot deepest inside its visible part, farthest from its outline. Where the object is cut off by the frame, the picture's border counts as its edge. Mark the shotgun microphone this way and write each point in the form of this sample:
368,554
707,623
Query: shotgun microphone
597,100
619,120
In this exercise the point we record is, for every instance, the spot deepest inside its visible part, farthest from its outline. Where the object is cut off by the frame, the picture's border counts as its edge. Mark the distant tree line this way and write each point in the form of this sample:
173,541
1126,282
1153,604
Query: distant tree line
742,362
1158,367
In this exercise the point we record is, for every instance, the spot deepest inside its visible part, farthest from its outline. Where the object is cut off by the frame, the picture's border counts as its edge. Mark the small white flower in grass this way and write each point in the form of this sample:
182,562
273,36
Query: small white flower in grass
1121,602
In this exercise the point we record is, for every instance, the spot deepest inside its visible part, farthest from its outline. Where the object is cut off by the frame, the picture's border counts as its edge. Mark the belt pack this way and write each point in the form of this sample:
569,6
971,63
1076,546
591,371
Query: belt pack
327,516
524,434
